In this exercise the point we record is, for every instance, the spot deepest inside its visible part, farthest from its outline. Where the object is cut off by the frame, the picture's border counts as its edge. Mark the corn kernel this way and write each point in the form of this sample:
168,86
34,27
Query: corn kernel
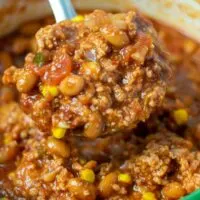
48,90
7,139
58,132
78,18
11,175
87,175
148,196
180,116
125,178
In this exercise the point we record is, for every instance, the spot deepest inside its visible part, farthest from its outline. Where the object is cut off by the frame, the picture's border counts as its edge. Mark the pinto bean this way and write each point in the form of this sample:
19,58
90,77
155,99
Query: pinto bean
58,147
72,85
26,81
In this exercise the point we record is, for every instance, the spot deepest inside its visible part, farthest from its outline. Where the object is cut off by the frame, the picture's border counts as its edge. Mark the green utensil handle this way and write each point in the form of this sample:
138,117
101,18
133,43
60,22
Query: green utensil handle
193,196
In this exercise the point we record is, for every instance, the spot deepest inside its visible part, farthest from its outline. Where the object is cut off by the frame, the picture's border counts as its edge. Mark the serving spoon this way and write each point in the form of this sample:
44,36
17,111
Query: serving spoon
62,9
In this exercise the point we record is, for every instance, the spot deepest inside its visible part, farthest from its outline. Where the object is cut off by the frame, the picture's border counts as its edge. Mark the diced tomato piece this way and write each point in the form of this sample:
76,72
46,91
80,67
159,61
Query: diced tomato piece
53,73
40,71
